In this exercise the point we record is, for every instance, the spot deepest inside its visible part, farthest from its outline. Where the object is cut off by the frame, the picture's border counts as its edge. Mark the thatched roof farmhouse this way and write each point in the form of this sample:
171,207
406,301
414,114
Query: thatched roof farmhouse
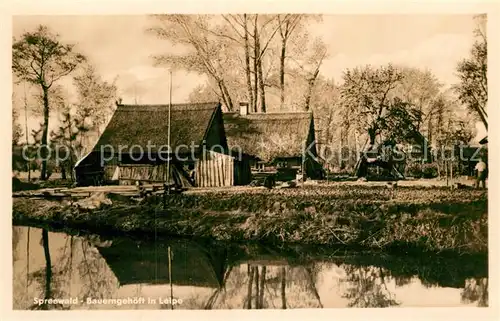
135,146
280,139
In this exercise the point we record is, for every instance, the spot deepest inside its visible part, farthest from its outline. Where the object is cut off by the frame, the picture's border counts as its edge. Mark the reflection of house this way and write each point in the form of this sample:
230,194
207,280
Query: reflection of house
148,263
135,147
276,140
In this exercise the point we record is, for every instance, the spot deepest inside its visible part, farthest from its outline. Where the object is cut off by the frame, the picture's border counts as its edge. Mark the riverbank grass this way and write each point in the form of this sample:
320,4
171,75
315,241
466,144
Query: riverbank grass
402,219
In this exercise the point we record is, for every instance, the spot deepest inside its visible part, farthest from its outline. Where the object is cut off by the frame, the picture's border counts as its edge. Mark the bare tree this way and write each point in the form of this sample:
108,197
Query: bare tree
365,96
95,102
205,57
473,86
39,58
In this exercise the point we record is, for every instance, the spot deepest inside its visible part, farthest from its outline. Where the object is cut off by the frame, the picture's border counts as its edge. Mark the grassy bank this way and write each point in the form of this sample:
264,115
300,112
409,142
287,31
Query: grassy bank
408,219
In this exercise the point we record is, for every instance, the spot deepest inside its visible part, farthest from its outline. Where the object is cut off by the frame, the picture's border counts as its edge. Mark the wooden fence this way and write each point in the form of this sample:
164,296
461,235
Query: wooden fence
216,170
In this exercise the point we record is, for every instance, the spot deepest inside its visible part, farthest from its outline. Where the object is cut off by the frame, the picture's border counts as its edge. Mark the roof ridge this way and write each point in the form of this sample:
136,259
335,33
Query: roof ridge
271,113
167,104
174,107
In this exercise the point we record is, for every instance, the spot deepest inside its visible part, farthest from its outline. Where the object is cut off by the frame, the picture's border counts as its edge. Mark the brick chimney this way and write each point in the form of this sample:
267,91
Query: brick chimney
243,108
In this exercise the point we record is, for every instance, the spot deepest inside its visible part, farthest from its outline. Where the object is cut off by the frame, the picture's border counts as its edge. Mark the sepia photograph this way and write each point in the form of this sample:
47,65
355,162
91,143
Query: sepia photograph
249,161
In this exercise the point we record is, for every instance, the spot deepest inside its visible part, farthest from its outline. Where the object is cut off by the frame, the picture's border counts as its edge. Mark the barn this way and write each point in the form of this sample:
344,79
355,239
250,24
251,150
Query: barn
283,142
134,147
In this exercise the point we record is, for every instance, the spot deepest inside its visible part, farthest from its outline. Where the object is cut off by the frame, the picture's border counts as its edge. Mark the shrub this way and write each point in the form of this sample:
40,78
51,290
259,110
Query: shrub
429,170
414,170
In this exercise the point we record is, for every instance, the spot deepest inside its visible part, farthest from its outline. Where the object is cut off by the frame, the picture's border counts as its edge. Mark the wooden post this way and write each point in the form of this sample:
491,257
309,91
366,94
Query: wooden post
168,137
451,172
226,172
446,168
231,173
220,178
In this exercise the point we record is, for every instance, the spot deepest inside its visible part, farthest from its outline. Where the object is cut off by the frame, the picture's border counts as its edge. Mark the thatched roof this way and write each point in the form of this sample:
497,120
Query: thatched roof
148,124
270,135
147,263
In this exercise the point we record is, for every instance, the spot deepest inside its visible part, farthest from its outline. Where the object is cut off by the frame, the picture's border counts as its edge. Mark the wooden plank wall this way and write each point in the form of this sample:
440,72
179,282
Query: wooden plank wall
152,174
216,170
143,172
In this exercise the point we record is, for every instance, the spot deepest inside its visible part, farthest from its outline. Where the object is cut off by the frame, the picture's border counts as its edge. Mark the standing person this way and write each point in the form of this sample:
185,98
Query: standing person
481,169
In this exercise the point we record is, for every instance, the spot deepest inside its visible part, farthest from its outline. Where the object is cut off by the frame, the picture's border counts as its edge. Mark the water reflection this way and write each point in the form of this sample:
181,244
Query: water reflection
90,272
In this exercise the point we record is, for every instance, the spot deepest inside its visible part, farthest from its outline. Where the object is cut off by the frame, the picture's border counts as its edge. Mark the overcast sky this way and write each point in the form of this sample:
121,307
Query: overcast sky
119,47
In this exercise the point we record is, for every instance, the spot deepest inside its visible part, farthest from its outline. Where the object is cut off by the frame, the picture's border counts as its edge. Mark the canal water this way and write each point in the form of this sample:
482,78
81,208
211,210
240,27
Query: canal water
54,270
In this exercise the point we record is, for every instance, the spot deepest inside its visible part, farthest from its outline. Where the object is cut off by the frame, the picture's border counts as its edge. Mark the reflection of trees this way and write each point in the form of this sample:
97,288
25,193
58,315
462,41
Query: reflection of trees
301,282
402,280
20,277
213,298
76,256
271,286
311,278
15,241
283,287
63,269
476,290
367,288
48,267
248,300
45,274
263,283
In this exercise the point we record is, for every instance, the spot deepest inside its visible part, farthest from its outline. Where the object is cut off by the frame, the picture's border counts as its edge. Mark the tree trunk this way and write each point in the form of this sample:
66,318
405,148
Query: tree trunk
228,96
310,88
342,145
283,287
282,73
262,88
483,117
429,133
247,64
45,132
446,169
225,95
308,95
451,171
372,134
48,267
26,130
71,162
255,63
